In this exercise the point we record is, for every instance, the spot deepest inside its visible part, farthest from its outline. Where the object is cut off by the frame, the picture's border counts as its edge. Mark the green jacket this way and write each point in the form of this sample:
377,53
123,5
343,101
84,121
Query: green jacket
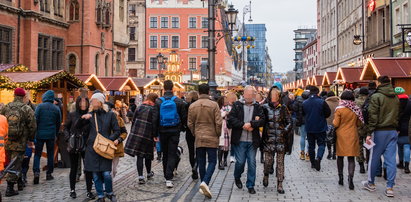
362,130
383,109
28,123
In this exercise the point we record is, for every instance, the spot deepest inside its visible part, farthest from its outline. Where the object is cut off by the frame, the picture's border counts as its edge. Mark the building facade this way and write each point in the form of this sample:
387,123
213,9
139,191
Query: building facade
328,35
301,38
349,23
401,10
62,35
137,40
310,59
256,57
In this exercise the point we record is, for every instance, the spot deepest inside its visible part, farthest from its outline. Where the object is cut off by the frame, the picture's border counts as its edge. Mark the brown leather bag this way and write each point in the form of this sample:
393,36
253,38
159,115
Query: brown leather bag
103,146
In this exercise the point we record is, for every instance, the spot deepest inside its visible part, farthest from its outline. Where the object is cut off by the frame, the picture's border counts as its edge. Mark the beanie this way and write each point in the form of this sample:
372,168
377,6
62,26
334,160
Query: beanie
19,92
99,96
399,90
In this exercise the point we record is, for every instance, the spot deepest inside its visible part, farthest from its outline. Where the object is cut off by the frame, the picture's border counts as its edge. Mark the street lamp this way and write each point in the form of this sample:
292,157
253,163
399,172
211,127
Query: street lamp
232,16
357,40
160,60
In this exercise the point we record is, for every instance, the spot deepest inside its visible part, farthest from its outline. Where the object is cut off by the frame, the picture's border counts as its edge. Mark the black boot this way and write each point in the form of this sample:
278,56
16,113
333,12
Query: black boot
220,160
318,164
400,165
330,155
225,158
350,183
362,168
262,157
340,179
265,181
280,188
159,154
10,190
20,184
407,167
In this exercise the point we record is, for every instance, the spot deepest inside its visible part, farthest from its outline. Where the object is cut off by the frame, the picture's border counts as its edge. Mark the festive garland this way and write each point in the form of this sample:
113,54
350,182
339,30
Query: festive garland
17,68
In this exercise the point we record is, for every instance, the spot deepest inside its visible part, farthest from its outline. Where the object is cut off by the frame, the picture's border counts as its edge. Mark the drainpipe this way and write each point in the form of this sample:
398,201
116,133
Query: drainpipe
18,33
82,37
391,34
145,40
112,42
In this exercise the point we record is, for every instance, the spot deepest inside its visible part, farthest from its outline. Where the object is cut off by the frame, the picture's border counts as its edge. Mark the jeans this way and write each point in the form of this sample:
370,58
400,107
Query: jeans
404,149
50,155
245,151
202,154
303,138
75,160
103,177
385,144
169,144
314,138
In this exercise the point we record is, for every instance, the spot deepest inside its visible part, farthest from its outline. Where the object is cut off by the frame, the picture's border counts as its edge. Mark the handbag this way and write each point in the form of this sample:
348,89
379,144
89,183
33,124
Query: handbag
103,146
75,142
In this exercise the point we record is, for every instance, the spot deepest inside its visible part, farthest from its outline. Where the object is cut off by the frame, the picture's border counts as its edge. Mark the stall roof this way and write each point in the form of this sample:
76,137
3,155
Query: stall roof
13,68
86,78
317,80
118,83
392,67
328,78
349,74
142,82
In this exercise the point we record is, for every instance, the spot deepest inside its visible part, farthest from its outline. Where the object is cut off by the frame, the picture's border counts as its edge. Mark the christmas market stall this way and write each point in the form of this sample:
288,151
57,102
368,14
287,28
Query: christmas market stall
93,83
398,69
5,95
119,88
328,80
348,78
148,85
317,80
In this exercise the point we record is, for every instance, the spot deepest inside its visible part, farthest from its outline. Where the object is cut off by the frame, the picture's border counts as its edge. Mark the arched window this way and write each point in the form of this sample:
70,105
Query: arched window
107,16
74,10
96,65
106,65
99,12
72,63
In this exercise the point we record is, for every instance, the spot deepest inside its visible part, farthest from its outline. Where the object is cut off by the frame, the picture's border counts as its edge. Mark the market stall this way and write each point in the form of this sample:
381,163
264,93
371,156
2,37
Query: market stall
93,83
328,80
348,78
119,88
317,81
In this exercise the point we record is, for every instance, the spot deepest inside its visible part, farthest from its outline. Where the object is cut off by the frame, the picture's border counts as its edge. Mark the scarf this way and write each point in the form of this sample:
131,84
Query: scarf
353,107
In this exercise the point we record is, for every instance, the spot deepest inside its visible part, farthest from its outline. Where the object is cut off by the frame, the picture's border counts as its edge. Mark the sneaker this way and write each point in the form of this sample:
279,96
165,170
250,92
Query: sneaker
307,157
150,175
302,155
100,200
232,159
169,184
112,198
206,190
141,180
49,177
201,191
73,194
368,186
389,192
90,195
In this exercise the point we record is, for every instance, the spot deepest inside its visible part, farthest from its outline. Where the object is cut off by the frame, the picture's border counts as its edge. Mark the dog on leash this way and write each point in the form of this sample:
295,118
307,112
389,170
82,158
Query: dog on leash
180,152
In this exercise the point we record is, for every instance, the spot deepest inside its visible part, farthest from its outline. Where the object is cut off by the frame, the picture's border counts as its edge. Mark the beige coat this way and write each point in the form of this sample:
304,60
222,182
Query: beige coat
346,124
204,121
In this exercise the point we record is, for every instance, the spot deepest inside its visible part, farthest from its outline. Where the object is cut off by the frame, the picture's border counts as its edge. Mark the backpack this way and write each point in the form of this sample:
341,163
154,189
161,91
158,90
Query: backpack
75,143
15,120
168,112
364,108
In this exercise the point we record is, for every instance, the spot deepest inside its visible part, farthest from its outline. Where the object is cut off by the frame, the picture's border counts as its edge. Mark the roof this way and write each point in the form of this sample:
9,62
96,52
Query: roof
392,67
328,78
316,80
4,67
142,82
13,68
91,79
118,83
349,74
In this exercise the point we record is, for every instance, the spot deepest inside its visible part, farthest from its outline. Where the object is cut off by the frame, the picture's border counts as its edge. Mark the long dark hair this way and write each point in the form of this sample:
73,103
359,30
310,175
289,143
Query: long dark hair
220,101
268,99
78,108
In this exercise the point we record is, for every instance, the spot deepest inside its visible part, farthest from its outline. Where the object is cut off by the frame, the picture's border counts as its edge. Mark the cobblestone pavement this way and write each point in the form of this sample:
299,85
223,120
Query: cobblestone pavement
301,184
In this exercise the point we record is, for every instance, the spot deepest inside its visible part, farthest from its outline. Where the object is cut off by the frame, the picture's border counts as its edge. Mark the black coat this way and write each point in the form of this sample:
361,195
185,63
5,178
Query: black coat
405,114
236,123
108,127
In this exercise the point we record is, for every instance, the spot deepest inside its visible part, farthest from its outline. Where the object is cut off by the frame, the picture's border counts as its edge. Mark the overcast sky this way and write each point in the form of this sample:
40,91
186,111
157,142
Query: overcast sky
281,18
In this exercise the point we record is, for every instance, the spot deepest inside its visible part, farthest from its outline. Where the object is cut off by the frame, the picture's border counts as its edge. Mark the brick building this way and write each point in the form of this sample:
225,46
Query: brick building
310,59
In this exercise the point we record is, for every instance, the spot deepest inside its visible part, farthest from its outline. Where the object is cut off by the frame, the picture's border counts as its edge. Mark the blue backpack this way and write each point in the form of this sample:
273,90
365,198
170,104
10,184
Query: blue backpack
168,112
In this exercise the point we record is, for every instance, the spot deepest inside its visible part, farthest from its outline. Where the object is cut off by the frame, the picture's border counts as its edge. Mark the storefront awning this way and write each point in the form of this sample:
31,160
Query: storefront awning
392,67
349,74
328,78
118,84
91,80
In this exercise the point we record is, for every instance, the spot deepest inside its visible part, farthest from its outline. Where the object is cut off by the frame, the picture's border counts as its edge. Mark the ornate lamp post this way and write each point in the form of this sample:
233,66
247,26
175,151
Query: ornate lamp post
160,60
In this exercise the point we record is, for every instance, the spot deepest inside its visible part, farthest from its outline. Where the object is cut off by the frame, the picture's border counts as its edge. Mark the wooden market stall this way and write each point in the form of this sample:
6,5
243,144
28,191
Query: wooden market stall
148,85
5,95
119,88
398,69
348,78
93,83
317,81
328,80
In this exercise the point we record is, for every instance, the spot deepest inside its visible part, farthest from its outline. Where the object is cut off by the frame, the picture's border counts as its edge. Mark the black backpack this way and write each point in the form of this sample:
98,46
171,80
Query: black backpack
365,106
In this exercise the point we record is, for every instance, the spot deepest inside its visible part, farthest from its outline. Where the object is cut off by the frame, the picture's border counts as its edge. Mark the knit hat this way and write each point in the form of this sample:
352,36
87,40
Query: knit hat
399,90
19,92
364,91
279,86
99,96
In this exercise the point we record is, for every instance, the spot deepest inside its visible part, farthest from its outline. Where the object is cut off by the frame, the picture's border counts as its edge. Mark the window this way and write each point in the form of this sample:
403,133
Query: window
99,15
107,16
132,9
132,33
175,22
153,41
192,63
164,22
192,22
131,54
121,10
405,13
44,6
72,63
57,54
5,45
204,42
57,7
118,61
96,65
153,63
175,42
164,41
204,22
106,65
74,11
153,22
43,53
192,42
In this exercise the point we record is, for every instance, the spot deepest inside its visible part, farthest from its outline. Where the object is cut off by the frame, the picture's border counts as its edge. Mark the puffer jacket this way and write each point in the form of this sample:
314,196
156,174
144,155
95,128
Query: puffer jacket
276,134
48,117
383,110
333,104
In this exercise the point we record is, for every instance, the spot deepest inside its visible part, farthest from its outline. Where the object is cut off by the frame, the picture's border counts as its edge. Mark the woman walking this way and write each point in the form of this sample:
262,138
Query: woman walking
119,141
224,142
143,136
104,122
70,131
347,118
276,136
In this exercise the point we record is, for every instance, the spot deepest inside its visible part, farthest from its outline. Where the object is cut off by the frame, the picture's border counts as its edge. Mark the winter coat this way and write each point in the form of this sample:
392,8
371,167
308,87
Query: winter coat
316,110
236,123
123,135
405,109
383,109
362,130
346,123
298,109
140,142
181,110
205,122
48,118
276,134
108,127
225,131
333,104
71,123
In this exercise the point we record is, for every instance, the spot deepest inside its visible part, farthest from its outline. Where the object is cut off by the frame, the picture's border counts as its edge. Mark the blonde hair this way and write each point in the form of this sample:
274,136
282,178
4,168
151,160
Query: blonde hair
231,95
192,96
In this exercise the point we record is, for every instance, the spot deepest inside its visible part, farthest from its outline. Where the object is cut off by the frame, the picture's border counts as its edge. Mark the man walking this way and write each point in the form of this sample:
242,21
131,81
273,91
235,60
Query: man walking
205,122
316,111
245,119
22,126
48,119
172,117
383,114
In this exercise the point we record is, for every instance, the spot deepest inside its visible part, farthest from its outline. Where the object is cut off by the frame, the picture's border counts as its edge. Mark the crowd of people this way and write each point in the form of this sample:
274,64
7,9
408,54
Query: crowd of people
216,127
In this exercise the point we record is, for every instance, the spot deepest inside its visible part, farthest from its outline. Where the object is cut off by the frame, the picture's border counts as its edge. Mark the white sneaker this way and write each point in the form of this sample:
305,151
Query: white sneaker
232,159
201,191
205,189
169,184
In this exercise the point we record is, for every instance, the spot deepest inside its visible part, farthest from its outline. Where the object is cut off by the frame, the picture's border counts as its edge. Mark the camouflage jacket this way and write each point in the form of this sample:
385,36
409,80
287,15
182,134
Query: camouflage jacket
29,125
